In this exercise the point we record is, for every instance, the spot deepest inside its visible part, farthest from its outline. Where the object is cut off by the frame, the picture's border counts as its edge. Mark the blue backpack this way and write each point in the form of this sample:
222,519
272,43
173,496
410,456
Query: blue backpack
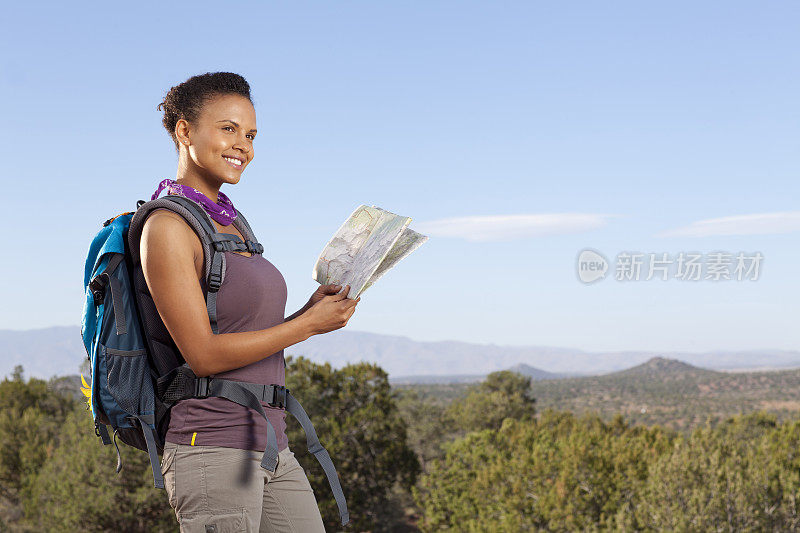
137,372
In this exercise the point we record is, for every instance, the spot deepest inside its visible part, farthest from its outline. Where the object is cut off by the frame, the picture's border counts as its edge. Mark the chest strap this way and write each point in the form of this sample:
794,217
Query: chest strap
228,242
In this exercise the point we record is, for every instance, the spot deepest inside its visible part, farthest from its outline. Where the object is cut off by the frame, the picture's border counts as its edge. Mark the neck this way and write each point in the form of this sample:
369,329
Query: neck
190,175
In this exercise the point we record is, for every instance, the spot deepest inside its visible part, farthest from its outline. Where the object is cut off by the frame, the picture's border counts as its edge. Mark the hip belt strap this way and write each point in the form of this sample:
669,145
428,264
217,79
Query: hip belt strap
278,396
235,392
181,383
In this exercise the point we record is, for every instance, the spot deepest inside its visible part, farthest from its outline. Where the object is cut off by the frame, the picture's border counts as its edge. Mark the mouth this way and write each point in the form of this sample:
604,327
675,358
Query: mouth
233,161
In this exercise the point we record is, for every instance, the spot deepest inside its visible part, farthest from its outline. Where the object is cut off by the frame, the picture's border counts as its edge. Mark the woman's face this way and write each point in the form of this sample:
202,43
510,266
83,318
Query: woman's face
220,141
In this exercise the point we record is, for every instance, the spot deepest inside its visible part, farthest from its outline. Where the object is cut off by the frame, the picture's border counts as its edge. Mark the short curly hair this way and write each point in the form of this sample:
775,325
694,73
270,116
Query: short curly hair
186,100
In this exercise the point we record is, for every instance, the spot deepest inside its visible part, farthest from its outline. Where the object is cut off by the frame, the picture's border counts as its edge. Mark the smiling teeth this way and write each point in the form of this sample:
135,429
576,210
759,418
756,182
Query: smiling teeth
232,160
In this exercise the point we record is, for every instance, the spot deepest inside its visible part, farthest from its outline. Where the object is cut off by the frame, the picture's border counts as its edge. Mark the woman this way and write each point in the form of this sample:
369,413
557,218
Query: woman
212,122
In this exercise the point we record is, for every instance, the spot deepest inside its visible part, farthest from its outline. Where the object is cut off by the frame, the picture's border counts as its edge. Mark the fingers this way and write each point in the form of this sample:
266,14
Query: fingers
342,295
350,303
351,308
331,289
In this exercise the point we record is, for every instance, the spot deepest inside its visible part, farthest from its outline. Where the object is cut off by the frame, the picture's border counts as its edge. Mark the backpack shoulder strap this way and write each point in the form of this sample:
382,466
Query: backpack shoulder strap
200,222
244,227
191,212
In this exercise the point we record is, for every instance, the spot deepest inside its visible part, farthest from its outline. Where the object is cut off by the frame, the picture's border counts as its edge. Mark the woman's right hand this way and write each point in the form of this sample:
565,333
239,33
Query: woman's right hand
330,313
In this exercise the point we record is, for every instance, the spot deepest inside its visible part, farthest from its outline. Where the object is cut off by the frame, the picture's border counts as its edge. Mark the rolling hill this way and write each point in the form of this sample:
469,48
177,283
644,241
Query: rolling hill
673,393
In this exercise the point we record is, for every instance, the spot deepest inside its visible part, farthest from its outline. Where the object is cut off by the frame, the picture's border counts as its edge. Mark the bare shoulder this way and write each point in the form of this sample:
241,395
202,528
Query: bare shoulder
165,220
167,230
166,224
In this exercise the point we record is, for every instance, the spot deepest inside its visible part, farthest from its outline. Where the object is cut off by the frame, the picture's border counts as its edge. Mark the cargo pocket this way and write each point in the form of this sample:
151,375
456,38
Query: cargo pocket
127,370
168,471
230,521
168,458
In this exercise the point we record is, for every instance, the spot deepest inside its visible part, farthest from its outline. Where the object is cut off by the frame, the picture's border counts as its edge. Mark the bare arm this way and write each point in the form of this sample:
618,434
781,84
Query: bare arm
298,313
169,247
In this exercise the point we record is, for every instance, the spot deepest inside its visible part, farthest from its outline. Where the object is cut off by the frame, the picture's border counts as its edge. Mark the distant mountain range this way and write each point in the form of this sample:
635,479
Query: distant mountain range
534,373
58,351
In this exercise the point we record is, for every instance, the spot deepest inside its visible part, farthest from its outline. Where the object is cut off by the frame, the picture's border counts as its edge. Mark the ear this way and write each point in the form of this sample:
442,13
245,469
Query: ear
182,131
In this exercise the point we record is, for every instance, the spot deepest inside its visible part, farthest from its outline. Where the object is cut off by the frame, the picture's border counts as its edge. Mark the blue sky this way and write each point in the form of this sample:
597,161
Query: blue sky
617,127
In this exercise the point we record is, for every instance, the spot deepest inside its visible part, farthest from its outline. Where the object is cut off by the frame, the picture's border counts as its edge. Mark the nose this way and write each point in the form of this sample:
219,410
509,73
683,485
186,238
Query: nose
244,146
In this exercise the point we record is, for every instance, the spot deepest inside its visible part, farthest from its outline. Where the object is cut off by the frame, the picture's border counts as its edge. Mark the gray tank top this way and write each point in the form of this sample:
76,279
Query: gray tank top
252,297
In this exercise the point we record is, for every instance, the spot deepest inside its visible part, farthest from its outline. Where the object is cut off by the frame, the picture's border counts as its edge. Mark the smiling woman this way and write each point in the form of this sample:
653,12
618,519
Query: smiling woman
210,440
213,126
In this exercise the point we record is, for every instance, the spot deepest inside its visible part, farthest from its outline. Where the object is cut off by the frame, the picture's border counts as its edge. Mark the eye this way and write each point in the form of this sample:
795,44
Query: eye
251,135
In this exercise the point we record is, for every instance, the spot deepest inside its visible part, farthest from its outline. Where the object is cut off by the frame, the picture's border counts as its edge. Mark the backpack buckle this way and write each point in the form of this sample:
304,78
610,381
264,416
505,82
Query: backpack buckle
254,247
278,396
214,281
201,387
98,290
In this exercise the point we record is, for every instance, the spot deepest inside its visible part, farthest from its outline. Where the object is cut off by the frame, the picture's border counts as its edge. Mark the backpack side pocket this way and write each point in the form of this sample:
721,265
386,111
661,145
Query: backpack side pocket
128,377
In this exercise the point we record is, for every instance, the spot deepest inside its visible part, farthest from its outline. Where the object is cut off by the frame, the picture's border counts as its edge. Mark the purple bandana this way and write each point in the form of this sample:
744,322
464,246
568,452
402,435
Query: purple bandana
222,211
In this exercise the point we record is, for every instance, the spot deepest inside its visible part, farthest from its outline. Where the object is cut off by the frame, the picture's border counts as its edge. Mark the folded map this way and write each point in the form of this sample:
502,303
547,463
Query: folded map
369,243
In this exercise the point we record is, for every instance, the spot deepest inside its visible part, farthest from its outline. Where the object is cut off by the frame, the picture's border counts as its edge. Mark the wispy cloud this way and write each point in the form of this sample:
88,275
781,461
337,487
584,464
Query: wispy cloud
757,224
510,227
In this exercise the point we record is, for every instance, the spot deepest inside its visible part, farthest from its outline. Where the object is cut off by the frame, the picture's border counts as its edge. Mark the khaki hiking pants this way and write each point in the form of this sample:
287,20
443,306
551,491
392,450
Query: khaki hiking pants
224,490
